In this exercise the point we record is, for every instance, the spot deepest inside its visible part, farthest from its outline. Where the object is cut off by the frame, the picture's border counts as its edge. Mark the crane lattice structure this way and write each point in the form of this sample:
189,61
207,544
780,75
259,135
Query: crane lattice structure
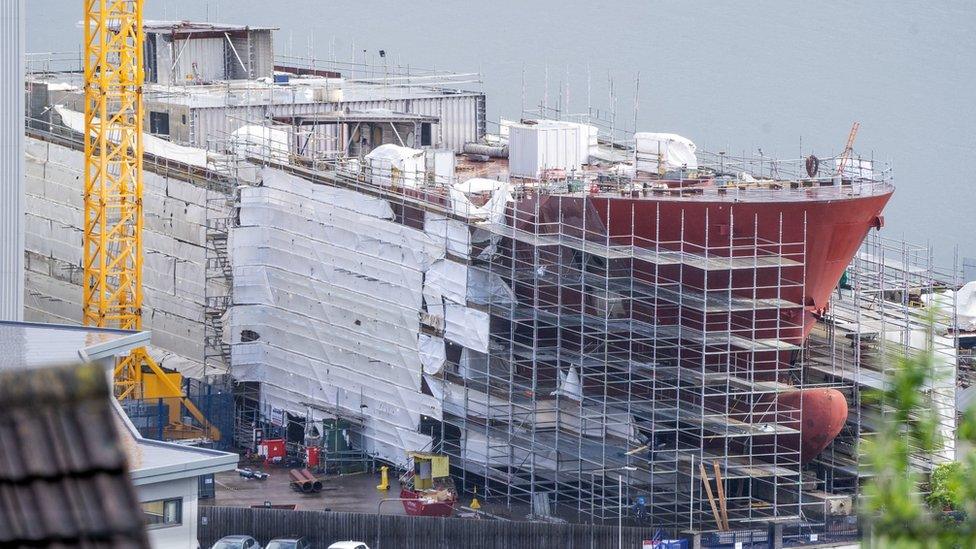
113,247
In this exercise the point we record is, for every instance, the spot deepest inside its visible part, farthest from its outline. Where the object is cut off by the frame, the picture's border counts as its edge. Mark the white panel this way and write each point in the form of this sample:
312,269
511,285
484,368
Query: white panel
202,60
466,327
12,159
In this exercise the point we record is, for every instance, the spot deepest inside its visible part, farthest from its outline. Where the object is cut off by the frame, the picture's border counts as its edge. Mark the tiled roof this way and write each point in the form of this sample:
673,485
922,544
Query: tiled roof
63,479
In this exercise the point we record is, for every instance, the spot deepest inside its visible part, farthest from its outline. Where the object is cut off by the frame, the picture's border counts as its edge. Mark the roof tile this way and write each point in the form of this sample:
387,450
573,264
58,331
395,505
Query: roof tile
63,481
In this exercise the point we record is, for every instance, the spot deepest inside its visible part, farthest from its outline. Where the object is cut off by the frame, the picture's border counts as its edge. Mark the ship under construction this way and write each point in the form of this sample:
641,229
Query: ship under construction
589,320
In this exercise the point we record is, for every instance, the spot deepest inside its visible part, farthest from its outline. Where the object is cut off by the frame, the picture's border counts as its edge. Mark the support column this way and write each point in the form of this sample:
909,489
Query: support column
12,159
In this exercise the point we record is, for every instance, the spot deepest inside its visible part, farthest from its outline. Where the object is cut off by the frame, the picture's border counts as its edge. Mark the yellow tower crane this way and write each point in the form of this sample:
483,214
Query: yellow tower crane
113,248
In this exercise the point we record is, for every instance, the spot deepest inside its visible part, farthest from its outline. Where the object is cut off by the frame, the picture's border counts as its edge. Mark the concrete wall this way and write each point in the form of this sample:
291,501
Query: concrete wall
175,257
184,535
11,159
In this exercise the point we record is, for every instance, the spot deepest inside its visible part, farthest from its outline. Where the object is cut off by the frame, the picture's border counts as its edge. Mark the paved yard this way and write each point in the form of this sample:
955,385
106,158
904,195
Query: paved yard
356,492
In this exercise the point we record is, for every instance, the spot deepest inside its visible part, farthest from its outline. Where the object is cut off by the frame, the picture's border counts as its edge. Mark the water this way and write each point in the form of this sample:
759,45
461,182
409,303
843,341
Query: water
733,76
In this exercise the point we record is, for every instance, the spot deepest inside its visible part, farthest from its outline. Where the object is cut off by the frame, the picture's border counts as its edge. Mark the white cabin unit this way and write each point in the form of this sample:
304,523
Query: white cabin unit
540,147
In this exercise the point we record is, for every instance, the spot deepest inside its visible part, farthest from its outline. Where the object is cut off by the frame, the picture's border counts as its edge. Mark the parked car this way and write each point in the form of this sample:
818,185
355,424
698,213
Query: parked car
236,542
348,545
289,543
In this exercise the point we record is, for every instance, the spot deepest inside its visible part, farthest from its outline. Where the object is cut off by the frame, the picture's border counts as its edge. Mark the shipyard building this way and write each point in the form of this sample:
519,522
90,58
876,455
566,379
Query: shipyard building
575,314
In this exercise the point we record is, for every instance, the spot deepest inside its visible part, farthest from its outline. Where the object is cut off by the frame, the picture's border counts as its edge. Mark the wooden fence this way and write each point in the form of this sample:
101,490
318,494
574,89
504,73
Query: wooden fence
402,532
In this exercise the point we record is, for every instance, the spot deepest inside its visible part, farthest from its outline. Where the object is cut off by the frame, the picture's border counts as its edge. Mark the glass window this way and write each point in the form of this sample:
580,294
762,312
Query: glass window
163,512
158,123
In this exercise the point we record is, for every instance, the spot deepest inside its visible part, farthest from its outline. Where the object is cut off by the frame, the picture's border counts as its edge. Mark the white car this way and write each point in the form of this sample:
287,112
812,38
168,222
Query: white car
348,545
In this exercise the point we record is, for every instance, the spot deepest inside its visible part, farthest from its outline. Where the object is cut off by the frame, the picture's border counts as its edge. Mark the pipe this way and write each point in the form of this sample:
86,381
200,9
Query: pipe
299,481
316,484
495,151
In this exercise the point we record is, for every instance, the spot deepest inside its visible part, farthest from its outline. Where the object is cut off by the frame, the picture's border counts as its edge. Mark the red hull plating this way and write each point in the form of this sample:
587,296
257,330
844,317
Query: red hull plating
821,235
832,231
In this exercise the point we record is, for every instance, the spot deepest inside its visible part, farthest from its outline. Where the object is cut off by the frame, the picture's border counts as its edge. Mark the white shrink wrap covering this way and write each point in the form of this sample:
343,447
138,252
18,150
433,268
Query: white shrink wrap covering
333,289
432,353
452,234
395,165
448,280
466,327
965,305
152,144
664,151
174,238
486,288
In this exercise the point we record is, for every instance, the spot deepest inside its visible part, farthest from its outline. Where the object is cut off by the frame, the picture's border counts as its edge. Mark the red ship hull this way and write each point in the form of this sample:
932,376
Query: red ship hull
819,237
830,232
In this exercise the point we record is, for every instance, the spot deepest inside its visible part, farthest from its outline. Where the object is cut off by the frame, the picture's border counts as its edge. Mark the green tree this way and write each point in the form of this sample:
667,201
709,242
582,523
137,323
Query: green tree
893,508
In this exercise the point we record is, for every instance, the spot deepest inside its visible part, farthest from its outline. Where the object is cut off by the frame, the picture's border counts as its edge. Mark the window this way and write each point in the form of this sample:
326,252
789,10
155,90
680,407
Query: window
151,64
159,123
425,134
163,512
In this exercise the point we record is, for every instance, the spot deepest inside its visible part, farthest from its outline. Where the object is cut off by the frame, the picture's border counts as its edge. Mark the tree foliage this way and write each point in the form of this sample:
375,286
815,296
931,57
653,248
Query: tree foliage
896,513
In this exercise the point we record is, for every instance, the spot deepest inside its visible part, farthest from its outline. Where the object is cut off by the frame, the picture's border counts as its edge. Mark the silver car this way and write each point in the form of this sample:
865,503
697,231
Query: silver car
236,542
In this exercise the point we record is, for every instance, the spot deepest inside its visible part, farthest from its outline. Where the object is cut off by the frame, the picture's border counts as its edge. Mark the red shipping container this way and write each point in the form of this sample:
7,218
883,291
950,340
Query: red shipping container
312,456
272,449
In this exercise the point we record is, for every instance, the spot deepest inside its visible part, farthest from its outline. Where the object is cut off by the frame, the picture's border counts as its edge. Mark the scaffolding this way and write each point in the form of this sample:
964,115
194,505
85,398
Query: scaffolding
634,352
622,355
622,369
893,302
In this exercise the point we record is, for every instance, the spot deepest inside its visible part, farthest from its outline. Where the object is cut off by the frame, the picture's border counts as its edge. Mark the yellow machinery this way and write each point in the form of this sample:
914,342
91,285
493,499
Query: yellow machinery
113,250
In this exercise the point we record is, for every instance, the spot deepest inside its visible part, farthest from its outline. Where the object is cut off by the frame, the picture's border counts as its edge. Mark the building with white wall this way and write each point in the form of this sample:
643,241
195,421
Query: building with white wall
166,477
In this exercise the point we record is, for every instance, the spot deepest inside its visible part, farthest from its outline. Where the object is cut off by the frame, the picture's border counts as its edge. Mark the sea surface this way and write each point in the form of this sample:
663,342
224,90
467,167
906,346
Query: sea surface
786,77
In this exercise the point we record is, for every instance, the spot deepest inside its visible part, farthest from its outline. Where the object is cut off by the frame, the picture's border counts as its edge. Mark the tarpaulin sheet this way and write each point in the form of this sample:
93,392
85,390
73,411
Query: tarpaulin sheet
466,327
394,165
433,355
673,150
965,304
485,288
152,144
446,279
333,289
452,234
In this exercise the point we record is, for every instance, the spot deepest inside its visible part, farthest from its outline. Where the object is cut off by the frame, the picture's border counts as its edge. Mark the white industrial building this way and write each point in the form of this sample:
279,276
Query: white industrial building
166,477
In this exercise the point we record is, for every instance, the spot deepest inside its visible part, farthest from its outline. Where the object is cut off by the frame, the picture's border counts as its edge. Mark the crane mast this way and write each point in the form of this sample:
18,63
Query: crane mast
112,258
113,208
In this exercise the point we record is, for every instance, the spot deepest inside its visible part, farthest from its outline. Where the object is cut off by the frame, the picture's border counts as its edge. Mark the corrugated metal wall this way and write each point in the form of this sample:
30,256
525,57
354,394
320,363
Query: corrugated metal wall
403,532
199,58
11,159
458,115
